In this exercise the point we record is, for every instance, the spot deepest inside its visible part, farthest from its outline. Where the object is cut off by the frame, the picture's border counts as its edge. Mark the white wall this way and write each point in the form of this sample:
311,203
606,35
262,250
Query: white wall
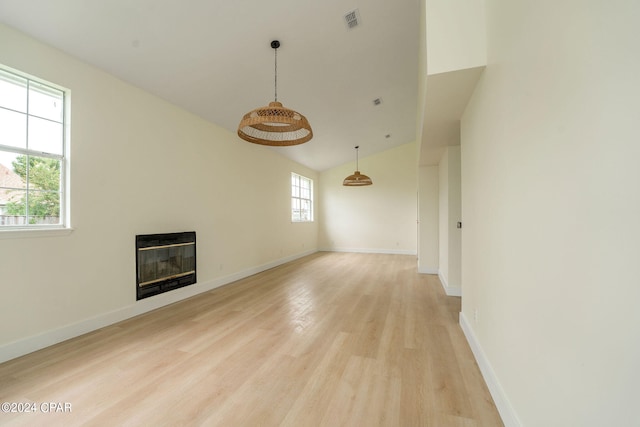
428,241
443,217
550,206
449,214
377,218
452,56
455,35
138,165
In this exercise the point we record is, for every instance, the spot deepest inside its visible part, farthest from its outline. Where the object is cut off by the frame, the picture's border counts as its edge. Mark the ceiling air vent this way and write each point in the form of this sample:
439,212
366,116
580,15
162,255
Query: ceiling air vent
352,19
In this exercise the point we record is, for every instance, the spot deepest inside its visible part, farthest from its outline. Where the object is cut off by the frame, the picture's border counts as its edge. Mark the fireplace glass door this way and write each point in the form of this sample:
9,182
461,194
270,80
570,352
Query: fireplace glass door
165,262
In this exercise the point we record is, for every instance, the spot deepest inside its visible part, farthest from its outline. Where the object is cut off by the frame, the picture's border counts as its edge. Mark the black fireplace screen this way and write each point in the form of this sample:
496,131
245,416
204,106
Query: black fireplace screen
164,262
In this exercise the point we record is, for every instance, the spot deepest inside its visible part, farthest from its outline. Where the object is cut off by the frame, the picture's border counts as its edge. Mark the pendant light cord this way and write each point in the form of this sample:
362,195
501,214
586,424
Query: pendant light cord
357,166
276,75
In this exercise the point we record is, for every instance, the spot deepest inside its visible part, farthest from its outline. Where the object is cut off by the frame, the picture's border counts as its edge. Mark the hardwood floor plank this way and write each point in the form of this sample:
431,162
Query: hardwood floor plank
333,339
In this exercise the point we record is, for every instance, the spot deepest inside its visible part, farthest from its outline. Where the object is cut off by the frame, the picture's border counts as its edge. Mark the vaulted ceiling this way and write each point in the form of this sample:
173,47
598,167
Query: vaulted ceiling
214,59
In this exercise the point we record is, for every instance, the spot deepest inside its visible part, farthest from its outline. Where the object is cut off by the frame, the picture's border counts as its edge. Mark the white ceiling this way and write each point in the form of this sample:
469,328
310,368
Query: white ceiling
213,58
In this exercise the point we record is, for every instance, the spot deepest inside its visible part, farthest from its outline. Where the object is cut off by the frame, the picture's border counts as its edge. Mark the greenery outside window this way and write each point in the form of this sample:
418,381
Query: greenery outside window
301,198
32,153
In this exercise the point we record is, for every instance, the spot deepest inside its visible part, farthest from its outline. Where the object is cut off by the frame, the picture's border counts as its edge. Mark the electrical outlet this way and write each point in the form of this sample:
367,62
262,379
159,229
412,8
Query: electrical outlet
475,315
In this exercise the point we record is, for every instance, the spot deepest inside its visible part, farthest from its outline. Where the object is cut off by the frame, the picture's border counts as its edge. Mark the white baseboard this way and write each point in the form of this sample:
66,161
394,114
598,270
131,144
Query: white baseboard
427,270
452,291
371,251
507,413
36,342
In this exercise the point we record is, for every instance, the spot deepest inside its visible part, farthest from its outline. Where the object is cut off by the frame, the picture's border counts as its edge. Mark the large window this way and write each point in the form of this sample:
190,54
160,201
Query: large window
32,153
301,198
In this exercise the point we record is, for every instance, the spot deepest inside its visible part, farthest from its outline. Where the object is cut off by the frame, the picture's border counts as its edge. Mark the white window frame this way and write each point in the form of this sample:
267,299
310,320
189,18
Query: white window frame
299,184
63,226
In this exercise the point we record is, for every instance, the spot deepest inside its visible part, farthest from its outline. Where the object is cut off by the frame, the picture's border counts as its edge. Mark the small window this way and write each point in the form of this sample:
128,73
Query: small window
32,153
301,198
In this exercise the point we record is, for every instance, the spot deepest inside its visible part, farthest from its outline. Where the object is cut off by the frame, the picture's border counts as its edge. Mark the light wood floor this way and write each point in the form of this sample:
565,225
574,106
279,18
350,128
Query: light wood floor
332,339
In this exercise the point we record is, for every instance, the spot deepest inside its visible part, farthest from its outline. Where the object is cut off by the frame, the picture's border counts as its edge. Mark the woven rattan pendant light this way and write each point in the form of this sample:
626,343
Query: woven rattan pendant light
274,124
357,179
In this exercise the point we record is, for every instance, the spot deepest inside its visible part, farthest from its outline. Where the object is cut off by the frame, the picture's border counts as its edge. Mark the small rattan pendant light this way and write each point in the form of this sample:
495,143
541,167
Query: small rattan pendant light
274,124
357,179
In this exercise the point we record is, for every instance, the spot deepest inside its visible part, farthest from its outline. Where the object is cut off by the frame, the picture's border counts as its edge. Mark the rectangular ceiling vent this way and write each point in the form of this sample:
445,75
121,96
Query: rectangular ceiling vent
352,19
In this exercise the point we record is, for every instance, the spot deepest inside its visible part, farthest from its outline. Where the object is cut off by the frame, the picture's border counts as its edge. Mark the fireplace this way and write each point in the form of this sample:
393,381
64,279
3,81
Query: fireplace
164,262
